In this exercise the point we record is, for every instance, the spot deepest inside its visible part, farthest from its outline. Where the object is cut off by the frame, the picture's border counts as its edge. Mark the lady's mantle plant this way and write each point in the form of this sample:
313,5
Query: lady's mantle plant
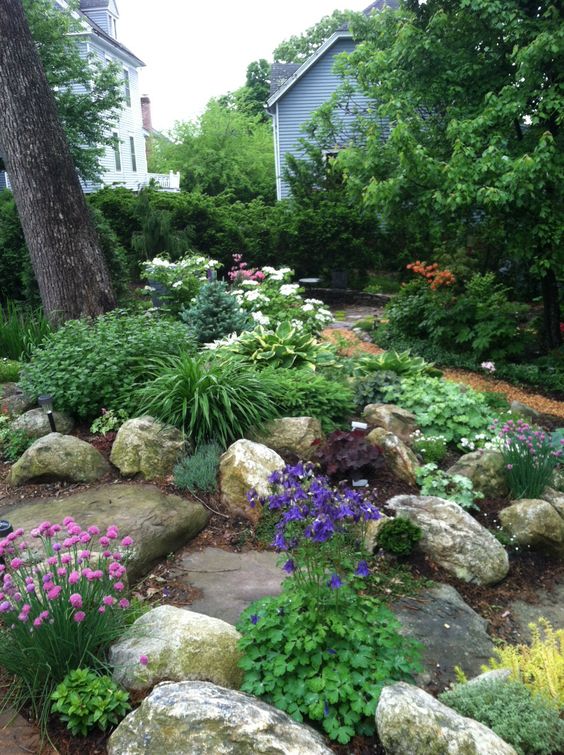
323,649
62,603
530,458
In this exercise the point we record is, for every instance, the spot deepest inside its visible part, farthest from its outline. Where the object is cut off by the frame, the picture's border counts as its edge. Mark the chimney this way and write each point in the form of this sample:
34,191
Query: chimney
146,113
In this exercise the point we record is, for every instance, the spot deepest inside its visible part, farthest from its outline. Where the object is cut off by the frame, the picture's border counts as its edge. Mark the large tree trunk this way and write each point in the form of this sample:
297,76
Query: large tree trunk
65,252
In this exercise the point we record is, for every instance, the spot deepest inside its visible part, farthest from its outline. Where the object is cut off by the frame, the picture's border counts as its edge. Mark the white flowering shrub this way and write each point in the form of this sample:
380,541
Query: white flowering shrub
179,281
274,299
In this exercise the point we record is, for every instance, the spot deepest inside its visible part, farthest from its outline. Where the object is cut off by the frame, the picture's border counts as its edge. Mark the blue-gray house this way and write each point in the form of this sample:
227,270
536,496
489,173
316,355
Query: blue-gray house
297,91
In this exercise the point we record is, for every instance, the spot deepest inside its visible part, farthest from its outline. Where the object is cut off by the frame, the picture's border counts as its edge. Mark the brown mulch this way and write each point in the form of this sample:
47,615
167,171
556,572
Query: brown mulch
537,401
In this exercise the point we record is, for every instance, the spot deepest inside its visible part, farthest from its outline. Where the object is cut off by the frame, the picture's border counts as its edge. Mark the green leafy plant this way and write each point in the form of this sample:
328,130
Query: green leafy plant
432,448
458,488
85,700
109,421
198,472
524,720
398,536
443,408
12,442
402,363
21,329
284,347
377,387
207,398
178,282
87,365
9,370
301,393
214,314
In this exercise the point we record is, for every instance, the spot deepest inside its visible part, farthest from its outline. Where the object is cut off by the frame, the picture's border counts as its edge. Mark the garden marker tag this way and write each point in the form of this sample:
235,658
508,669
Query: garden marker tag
360,483
359,426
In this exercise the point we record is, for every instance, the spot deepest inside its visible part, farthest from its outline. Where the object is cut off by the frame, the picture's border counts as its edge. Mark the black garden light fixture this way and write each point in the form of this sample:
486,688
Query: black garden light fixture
46,403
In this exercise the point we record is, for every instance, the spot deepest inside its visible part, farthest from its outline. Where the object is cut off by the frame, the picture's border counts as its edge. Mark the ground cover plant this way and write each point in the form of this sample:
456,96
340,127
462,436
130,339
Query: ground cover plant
432,448
524,720
198,472
454,487
87,366
61,607
323,650
9,370
12,442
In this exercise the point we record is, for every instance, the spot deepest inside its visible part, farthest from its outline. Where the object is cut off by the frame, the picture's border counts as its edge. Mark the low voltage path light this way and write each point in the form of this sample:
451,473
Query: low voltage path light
46,403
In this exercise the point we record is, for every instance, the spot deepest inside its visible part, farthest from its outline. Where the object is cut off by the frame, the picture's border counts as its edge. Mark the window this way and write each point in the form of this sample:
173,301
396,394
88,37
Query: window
132,150
126,87
117,151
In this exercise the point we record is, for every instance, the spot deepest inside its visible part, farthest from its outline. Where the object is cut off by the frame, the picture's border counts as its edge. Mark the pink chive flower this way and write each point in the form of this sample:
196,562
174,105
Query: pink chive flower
79,616
44,615
76,600
127,541
143,660
119,586
66,558
61,571
104,541
93,530
15,563
108,600
54,592
124,603
52,560
74,577
37,622
102,609
68,520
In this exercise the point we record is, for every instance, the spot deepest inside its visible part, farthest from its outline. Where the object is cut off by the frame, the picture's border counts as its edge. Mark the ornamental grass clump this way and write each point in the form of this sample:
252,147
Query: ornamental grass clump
62,603
530,459
323,649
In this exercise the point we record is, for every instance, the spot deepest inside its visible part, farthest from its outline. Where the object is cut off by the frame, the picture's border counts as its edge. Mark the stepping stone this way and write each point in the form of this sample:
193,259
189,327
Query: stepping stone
230,581
158,523
19,736
451,632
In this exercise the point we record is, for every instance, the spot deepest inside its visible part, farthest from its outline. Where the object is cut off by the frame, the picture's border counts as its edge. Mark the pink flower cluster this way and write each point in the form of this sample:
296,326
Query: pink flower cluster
69,581
240,272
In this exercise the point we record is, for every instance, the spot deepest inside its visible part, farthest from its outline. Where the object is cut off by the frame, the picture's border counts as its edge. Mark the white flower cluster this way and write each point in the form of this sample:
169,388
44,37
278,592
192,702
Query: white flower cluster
225,341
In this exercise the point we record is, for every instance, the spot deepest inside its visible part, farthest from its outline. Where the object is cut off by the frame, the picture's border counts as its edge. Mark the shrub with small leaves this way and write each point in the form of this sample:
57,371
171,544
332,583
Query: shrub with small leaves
524,720
9,370
214,314
12,442
398,536
85,700
199,471
377,387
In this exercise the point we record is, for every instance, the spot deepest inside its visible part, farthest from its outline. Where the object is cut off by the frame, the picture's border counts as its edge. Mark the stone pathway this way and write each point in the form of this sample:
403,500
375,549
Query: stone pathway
230,581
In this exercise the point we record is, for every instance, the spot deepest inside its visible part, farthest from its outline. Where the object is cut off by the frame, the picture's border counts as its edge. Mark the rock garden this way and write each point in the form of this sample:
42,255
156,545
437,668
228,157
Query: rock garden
234,525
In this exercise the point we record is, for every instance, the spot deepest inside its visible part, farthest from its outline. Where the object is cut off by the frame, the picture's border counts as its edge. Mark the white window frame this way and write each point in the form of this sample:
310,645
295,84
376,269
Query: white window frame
117,154
133,153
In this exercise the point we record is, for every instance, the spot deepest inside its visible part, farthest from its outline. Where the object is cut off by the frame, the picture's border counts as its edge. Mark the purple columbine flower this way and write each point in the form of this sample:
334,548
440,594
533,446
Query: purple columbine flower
289,566
362,569
254,618
335,582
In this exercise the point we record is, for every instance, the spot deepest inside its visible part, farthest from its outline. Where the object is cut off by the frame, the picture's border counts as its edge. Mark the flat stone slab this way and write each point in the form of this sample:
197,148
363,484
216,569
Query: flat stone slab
230,581
18,736
550,606
451,632
158,523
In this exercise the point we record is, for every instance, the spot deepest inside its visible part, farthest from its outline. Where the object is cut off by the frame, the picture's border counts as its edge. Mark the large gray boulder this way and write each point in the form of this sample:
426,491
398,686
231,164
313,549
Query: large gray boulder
555,498
158,523
180,646
147,447
243,466
486,469
450,631
35,423
60,457
13,400
534,523
412,722
393,418
189,718
454,539
401,459
293,435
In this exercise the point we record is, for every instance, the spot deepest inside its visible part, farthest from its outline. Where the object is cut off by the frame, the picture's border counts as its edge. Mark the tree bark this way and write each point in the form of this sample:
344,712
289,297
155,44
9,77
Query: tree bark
551,302
63,245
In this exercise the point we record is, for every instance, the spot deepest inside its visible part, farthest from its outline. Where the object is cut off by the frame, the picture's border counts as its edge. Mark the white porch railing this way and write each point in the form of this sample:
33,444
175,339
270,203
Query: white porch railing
167,182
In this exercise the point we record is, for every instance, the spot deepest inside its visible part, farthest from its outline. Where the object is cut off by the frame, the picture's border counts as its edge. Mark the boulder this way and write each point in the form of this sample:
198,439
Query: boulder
292,435
35,423
558,479
60,457
185,718
486,469
487,677
13,400
517,407
412,722
450,631
534,523
158,523
454,539
555,498
393,418
147,447
180,646
371,532
401,459
243,466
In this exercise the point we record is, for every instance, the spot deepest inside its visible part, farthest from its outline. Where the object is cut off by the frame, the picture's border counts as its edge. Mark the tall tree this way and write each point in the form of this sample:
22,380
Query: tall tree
64,250
298,48
88,91
472,91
